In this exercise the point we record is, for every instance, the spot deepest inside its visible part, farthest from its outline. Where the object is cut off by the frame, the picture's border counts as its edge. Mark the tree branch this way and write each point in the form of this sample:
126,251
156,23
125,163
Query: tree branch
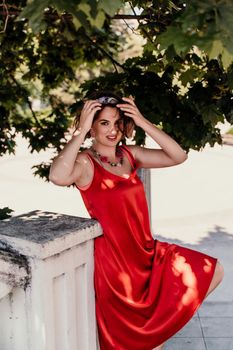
142,29
118,16
5,14
114,62
134,16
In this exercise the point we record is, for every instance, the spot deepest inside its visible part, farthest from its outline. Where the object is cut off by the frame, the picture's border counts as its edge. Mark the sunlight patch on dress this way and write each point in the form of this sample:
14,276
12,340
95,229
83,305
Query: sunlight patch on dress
126,282
208,266
107,183
182,269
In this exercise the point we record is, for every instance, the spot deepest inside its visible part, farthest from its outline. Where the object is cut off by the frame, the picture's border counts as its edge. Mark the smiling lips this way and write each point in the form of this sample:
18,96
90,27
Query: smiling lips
112,138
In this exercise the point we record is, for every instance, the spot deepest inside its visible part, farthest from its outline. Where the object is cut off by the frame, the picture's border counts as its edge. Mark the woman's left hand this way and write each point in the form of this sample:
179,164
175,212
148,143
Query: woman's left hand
131,110
170,153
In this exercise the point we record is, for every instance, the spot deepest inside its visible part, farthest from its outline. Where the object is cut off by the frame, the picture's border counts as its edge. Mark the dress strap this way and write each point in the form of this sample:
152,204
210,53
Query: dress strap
129,155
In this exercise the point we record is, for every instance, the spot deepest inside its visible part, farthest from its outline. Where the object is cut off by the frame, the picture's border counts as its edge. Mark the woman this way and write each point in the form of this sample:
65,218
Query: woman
146,290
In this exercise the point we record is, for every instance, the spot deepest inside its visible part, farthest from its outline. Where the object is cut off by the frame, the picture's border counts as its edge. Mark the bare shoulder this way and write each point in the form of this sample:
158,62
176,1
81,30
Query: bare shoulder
133,149
83,156
84,163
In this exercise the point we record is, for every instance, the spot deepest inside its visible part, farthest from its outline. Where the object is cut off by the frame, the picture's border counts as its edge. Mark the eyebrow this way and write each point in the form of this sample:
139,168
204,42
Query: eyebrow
107,120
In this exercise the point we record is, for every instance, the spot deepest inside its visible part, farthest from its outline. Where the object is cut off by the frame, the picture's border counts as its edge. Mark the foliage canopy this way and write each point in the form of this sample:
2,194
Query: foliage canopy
54,51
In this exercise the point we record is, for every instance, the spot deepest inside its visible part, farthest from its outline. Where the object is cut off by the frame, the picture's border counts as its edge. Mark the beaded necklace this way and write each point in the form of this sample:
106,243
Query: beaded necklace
104,159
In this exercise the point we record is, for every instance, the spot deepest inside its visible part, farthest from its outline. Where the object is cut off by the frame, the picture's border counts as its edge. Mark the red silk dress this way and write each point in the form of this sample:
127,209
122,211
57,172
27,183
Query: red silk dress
146,290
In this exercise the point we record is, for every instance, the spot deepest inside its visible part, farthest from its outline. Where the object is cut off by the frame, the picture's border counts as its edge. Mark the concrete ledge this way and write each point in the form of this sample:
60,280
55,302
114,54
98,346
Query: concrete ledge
14,271
47,298
42,234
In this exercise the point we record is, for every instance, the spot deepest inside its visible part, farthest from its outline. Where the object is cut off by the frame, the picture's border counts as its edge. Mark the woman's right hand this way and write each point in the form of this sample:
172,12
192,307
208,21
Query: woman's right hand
87,114
67,167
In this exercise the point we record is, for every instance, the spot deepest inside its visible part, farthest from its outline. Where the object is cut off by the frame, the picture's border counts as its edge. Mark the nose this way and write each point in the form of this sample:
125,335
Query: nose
113,129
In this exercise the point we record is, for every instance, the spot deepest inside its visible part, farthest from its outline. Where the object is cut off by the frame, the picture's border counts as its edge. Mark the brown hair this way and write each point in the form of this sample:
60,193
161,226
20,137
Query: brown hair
127,125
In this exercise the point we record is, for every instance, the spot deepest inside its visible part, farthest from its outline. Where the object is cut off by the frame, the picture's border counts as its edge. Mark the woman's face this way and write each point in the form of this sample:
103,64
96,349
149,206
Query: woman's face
105,128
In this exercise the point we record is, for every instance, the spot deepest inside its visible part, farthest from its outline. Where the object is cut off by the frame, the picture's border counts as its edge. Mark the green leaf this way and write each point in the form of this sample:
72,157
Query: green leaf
5,213
34,12
217,50
190,75
174,36
77,22
149,47
84,7
227,59
212,115
94,9
96,21
110,7
79,16
225,15
82,18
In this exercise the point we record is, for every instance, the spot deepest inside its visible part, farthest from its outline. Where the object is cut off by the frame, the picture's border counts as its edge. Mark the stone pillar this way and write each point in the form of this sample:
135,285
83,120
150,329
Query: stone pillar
46,282
145,176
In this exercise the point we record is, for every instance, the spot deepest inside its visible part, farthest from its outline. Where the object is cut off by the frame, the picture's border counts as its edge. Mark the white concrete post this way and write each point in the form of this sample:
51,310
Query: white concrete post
47,297
145,176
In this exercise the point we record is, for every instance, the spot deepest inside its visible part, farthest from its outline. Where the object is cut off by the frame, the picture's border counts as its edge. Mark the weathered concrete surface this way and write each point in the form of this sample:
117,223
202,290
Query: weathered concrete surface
14,269
47,299
40,227
41,234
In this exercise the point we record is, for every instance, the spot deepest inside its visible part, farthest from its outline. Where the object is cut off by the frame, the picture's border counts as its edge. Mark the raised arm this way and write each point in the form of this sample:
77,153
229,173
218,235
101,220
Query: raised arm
69,166
170,153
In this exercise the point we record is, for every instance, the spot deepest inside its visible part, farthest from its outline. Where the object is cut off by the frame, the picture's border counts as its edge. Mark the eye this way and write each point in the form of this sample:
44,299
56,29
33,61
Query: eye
120,123
104,123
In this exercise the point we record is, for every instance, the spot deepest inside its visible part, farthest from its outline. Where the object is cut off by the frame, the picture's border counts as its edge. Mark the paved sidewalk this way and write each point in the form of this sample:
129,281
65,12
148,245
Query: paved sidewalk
211,328
193,206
